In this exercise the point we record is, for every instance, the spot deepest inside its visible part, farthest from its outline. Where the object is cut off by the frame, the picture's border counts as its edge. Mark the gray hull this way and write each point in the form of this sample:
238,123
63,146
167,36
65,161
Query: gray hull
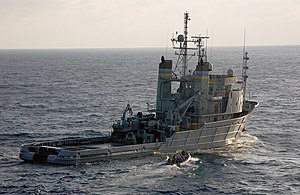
88,150
211,135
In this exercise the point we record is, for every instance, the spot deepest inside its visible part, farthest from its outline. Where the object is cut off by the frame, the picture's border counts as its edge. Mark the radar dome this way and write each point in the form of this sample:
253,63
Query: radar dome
230,72
180,38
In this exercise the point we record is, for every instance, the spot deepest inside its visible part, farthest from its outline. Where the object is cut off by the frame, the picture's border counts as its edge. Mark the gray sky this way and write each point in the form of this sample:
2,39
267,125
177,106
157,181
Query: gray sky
145,23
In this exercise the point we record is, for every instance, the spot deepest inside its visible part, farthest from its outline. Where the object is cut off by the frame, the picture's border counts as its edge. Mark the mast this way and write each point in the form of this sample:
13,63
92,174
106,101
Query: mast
244,69
181,43
244,74
186,18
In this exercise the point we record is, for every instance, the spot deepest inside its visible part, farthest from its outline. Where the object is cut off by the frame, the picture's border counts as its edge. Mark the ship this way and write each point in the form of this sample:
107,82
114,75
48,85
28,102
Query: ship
195,110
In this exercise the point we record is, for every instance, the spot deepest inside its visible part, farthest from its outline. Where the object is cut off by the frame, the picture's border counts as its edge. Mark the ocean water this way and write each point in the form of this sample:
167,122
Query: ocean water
51,94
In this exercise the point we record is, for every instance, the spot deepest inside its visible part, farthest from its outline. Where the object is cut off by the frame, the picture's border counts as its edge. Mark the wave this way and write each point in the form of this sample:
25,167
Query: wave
32,106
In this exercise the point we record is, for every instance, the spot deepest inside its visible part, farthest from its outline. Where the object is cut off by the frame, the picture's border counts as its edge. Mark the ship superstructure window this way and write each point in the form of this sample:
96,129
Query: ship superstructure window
175,87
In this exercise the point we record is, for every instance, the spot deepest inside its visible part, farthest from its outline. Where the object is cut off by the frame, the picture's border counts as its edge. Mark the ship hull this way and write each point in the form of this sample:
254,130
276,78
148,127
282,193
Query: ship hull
211,135
88,150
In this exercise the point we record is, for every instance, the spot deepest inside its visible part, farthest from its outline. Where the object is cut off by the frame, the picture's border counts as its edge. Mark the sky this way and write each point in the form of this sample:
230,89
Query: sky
39,24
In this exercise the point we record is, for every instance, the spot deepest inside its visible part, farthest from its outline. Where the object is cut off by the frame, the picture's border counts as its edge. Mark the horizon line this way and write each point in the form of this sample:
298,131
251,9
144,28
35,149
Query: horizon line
57,48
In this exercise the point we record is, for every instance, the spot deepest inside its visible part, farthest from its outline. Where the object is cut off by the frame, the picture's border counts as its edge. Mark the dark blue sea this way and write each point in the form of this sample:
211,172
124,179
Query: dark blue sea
52,94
